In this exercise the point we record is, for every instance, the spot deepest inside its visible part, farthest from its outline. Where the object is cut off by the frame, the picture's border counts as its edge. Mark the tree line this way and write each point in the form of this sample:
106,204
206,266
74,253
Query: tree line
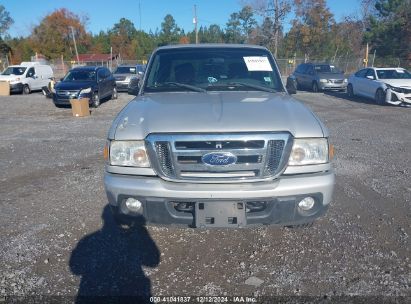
313,32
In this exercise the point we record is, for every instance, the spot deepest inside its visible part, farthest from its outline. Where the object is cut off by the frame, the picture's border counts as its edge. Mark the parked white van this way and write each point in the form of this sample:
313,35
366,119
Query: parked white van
27,77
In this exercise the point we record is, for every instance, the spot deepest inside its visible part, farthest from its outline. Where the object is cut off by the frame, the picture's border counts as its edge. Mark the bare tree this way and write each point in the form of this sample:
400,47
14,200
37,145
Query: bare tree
276,10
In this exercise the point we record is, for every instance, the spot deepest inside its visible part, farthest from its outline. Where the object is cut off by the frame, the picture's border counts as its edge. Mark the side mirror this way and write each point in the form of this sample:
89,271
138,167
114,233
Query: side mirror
291,85
370,77
134,86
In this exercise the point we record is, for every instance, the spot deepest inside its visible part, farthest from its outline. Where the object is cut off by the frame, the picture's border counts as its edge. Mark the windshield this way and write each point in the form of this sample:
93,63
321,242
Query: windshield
14,71
325,68
80,75
141,68
393,74
213,69
126,70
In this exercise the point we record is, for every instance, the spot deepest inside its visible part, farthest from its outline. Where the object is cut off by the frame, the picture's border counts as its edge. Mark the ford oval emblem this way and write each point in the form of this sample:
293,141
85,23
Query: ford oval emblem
219,159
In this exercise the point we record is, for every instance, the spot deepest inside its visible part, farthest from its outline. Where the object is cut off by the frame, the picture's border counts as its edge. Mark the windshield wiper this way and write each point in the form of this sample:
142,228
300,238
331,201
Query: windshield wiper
253,86
186,86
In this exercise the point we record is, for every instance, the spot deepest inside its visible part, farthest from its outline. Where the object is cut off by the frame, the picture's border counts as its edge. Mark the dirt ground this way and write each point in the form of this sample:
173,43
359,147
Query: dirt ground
57,236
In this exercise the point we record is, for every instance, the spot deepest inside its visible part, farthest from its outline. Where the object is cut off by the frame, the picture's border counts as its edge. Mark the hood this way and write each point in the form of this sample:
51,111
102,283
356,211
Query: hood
10,77
214,112
74,85
331,75
404,83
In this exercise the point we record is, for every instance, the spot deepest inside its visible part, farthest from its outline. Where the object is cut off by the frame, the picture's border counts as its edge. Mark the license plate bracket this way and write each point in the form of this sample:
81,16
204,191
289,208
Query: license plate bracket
220,214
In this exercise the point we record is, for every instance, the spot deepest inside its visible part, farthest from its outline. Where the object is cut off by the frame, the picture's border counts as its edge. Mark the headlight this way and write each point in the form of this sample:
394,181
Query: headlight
395,89
310,151
345,80
15,80
323,80
85,91
128,154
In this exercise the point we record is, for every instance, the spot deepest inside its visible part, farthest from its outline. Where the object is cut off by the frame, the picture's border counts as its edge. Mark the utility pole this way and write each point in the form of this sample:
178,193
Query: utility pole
366,56
75,44
195,22
277,27
273,13
373,58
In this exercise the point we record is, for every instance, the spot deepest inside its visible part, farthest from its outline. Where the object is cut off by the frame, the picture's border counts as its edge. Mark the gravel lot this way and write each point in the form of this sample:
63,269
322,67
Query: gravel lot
58,237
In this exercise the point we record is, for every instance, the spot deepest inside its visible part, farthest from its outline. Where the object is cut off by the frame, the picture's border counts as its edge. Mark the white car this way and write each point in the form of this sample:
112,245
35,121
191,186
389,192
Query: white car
384,85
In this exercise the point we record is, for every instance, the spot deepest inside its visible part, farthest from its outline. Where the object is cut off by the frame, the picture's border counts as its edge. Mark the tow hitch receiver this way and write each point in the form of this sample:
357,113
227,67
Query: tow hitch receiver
220,214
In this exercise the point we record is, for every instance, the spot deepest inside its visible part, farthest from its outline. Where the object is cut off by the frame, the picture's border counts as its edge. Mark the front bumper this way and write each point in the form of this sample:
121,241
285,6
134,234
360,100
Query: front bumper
16,88
279,198
332,86
122,85
65,100
397,98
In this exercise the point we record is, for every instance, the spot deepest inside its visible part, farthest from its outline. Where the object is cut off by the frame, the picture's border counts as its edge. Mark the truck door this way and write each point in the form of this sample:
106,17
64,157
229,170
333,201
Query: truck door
306,76
33,80
102,87
370,85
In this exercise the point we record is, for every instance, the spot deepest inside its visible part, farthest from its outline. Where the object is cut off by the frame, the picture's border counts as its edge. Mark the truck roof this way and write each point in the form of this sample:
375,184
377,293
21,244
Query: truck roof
211,45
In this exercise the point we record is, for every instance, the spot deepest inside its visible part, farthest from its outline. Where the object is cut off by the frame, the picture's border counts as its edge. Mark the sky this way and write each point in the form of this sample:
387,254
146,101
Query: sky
103,14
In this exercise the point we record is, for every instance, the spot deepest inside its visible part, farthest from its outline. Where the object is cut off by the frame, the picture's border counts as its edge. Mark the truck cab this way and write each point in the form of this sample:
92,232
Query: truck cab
214,139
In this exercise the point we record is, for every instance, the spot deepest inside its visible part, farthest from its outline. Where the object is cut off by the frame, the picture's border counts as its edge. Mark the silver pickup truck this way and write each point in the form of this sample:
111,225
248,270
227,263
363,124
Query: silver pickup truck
213,139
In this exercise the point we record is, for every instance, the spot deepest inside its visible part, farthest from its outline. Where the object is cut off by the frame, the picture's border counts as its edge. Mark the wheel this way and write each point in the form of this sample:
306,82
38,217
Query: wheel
95,100
315,87
114,94
298,85
380,97
350,91
26,89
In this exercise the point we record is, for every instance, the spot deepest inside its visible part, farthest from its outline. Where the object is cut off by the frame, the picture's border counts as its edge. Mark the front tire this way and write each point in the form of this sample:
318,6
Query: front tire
380,97
298,85
315,87
114,93
350,91
96,100
26,89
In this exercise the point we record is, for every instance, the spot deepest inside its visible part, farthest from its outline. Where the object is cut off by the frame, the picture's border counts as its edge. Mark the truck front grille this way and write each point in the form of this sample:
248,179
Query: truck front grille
179,157
67,93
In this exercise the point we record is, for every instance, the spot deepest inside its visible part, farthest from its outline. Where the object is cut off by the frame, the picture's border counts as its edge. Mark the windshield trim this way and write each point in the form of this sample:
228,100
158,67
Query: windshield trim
245,49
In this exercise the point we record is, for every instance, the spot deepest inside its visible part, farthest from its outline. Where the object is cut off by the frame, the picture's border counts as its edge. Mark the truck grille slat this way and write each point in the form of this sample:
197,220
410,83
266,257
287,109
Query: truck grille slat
274,153
67,93
179,157
163,153
218,145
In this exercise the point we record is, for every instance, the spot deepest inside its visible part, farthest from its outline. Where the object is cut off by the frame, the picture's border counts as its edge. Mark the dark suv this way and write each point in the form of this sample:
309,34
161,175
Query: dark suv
90,82
319,76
